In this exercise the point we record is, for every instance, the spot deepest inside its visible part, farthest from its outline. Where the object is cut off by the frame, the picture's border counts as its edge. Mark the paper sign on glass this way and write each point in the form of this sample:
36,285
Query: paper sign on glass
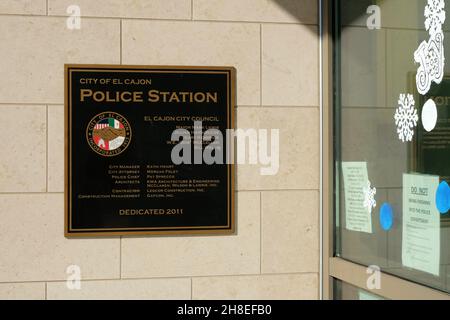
357,217
421,229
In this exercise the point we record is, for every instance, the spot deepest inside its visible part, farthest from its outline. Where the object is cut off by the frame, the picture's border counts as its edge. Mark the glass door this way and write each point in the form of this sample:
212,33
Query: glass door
390,100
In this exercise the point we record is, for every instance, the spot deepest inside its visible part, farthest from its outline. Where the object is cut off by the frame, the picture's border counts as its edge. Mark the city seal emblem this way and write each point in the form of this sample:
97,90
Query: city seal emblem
108,134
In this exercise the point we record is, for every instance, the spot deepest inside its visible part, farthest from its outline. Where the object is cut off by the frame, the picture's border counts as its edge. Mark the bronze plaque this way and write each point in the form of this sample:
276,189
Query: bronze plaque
136,145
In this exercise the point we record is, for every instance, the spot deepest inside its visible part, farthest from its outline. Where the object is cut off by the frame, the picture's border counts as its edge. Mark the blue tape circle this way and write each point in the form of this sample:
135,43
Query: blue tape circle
443,197
386,216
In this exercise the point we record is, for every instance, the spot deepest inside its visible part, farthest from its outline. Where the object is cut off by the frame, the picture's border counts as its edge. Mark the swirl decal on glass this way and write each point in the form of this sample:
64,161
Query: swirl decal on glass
430,54
406,117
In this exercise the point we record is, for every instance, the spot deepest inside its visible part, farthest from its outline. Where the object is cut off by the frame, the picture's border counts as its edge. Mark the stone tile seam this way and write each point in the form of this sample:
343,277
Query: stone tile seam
255,275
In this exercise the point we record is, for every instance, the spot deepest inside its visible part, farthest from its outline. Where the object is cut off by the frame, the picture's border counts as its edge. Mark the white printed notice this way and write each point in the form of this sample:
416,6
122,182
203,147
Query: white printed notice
421,229
357,217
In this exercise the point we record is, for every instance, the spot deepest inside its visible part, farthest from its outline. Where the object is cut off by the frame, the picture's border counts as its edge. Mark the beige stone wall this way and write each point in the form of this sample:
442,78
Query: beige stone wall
274,46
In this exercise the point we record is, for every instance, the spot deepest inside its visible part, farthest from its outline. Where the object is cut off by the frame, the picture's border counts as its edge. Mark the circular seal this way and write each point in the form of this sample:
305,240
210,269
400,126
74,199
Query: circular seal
108,134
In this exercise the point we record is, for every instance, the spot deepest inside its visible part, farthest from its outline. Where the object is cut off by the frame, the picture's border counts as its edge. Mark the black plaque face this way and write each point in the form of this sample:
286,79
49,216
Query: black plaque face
121,176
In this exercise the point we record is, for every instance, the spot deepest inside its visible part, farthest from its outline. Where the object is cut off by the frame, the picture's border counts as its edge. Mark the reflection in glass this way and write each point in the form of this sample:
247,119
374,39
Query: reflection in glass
394,131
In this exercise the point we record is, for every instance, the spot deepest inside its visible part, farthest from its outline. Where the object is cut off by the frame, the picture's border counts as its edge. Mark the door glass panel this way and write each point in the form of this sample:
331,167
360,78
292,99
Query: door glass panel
345,291
392,137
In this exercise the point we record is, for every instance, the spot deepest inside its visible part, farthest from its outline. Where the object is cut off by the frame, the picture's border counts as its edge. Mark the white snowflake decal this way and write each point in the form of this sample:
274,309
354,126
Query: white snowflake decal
406,117
434,16
369,197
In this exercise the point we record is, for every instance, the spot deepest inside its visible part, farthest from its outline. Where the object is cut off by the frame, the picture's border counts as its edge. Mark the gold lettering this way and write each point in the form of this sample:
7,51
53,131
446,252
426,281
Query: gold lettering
98,96
124,96
137,96
211,97
164,95
199,97
153,96
183,95
174,97
85,93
